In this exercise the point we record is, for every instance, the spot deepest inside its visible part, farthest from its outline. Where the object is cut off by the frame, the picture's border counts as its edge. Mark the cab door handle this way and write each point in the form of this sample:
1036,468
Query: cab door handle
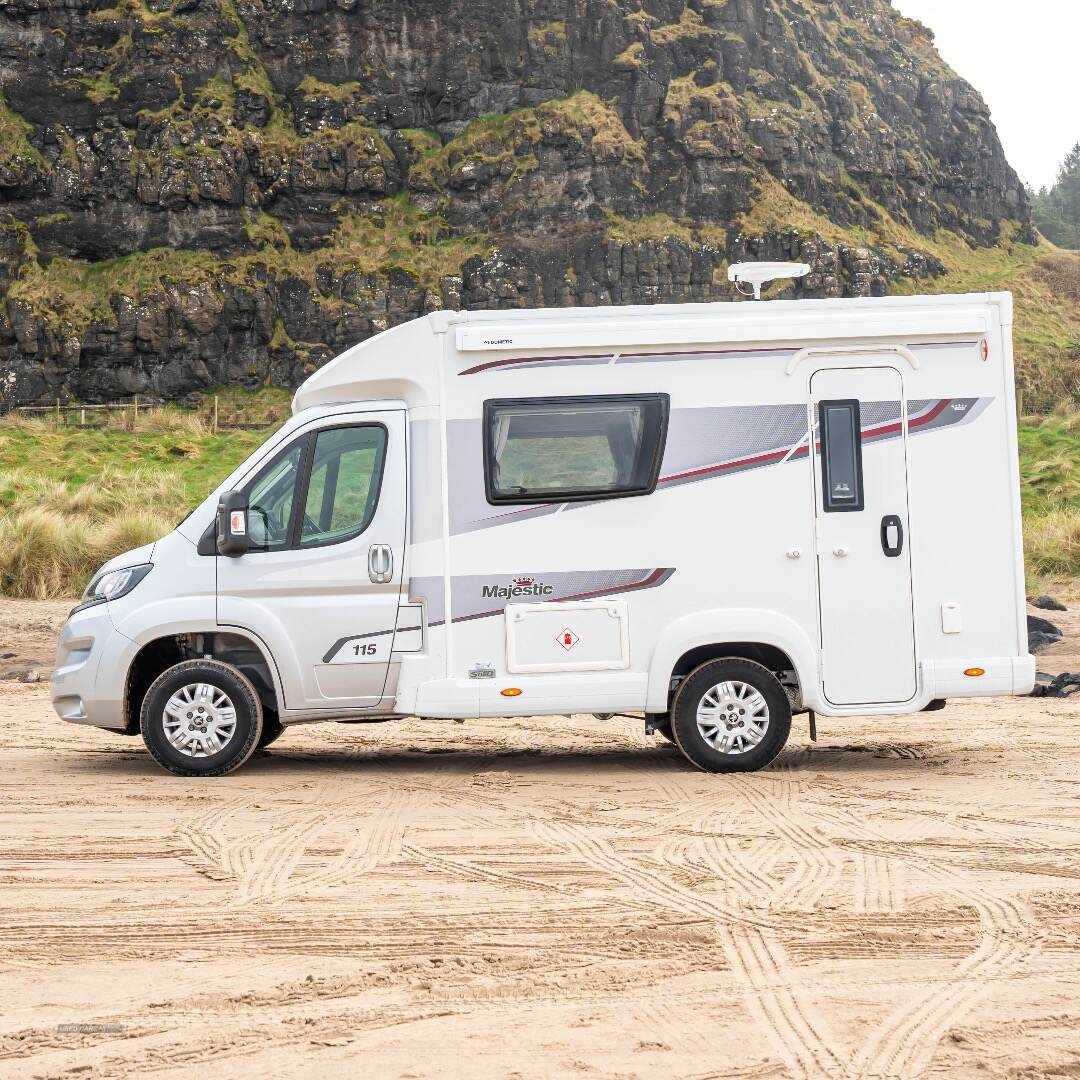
892,536
380,563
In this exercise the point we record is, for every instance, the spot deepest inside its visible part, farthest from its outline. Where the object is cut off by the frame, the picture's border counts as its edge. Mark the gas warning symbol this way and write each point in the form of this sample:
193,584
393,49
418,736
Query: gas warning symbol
567,638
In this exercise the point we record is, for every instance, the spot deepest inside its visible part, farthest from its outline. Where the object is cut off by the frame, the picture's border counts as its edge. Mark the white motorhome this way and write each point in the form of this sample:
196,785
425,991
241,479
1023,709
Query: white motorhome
710,515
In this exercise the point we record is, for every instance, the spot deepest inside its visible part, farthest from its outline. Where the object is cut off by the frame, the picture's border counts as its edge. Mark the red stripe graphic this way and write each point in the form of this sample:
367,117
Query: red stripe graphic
778,455
513,362
622,356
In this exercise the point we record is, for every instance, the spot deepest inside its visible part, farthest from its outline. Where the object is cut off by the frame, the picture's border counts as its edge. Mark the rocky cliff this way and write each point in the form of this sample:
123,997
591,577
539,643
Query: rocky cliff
196,192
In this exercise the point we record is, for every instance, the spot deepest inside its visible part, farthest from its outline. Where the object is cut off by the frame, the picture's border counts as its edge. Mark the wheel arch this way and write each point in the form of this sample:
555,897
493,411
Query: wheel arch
768,638
241,650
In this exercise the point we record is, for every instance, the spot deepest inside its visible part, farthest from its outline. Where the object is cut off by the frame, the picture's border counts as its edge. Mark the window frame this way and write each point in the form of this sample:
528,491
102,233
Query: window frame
828,504
494,498
304,467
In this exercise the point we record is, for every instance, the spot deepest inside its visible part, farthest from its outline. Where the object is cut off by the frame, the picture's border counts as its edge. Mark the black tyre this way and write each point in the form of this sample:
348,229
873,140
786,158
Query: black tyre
201,718
731,716
271,732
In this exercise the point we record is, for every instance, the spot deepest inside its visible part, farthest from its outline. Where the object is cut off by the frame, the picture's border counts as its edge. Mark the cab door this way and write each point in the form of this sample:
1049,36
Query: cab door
863,534
321,584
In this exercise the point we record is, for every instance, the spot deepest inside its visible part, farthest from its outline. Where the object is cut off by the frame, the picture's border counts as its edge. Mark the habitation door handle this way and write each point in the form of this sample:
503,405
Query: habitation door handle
892,536
380,563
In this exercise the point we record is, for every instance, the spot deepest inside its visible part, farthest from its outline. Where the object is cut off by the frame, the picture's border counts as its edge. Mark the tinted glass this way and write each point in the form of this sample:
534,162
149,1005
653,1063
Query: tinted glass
553,450
270,500
346,472
841,455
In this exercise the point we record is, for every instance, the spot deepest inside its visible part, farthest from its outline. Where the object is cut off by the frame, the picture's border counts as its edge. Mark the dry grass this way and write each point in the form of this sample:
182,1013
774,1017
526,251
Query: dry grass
1052,542
1061,273
54,535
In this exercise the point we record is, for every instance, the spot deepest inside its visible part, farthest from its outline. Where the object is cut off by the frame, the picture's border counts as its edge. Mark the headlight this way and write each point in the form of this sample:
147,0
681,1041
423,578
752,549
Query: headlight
112,585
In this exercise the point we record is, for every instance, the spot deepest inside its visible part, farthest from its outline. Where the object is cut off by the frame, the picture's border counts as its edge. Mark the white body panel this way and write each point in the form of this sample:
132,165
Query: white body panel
732,547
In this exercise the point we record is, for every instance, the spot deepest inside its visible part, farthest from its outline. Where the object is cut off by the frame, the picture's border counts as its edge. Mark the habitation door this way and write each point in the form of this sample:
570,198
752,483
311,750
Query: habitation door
864,563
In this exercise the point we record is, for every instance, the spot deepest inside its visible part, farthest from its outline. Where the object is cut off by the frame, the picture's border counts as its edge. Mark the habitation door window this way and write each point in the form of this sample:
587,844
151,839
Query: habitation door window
540,450
841,456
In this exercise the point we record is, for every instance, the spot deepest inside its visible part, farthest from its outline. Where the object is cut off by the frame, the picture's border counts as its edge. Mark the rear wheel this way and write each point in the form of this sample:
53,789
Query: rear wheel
201,718
731,716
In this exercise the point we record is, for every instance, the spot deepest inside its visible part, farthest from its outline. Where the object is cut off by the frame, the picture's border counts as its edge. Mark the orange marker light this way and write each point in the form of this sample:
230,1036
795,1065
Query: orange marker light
511,691
974,672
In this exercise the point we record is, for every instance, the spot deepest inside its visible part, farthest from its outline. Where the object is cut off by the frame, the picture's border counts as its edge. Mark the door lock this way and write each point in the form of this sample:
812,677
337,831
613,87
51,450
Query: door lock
841,552
380,563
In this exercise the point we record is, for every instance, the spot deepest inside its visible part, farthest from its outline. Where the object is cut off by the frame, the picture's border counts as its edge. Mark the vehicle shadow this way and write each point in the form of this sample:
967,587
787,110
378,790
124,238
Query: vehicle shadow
517,763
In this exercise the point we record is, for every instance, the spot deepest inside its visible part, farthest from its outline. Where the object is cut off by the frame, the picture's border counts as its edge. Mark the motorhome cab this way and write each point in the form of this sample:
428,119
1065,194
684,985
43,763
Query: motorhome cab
711,515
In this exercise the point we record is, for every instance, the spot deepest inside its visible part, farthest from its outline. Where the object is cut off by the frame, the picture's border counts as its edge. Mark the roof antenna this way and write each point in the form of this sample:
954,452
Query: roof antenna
757,274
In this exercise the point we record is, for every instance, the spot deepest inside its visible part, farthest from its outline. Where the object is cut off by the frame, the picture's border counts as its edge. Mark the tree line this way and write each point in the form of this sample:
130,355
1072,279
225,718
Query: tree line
1057,210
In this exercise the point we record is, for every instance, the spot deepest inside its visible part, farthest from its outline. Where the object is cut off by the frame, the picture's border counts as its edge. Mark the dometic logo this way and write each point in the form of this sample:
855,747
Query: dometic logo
519,586
499,341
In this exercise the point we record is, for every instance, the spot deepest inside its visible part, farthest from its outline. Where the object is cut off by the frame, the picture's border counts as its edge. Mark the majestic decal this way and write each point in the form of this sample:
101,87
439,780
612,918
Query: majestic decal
477,596
523,586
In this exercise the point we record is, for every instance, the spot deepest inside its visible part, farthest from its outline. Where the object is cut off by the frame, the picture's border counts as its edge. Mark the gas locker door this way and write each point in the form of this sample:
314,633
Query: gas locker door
864,563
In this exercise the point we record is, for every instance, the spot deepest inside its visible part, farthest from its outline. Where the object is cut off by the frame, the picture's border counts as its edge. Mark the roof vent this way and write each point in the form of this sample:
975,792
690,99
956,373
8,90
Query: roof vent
757,274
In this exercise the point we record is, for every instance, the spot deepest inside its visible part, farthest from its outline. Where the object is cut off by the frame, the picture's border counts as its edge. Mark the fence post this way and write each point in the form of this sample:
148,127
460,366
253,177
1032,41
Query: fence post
58,410
82,418
215,413
135,413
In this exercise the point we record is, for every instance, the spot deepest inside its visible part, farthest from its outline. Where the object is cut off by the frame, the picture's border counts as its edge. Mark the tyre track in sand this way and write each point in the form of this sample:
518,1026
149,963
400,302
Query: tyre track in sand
819,863
762,975
906,1042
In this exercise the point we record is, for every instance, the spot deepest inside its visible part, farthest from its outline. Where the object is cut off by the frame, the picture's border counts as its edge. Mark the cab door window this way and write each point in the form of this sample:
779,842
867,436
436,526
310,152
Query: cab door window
343,489
323,489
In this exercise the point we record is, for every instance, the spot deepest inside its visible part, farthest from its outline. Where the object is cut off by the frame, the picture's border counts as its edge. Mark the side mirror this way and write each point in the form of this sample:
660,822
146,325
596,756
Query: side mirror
232,524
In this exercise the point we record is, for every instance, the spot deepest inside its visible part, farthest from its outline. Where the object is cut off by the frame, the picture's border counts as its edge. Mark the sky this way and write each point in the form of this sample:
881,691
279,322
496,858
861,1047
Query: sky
1023,59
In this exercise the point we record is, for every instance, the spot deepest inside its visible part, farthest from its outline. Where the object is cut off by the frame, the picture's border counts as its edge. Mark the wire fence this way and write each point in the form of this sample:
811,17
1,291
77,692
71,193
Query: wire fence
127,414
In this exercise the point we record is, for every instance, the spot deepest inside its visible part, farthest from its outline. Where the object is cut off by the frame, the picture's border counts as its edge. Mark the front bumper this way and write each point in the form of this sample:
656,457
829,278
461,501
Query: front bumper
87,683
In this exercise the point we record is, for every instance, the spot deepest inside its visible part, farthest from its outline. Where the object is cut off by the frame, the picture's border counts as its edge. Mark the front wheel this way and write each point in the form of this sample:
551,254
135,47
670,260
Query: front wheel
731,716
201,718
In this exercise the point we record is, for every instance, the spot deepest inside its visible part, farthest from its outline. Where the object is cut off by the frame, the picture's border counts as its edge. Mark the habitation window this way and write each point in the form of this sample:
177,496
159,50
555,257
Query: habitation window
841,456
540,450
